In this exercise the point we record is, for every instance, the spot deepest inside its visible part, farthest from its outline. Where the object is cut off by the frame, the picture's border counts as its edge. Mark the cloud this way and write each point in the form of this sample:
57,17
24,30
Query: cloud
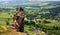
34,0
5,0
50,0
30,0
44,0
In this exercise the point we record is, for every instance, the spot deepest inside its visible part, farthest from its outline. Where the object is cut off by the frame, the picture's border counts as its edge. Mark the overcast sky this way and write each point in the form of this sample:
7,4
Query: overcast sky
32,0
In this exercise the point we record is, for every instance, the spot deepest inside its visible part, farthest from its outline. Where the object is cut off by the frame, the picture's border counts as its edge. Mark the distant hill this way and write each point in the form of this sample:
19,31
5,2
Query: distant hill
18,3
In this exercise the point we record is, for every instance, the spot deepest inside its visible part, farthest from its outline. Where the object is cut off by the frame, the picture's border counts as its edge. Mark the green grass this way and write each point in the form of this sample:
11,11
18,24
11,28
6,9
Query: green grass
45,25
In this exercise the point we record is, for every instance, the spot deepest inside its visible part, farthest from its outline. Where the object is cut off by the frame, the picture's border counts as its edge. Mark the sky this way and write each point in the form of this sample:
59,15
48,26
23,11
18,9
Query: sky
44,0
32,0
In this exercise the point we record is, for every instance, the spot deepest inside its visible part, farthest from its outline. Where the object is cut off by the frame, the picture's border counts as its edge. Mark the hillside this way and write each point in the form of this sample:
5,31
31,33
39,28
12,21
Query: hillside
44,16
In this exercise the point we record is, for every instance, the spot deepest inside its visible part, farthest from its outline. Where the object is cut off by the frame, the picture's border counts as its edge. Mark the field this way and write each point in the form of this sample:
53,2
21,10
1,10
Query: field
44,16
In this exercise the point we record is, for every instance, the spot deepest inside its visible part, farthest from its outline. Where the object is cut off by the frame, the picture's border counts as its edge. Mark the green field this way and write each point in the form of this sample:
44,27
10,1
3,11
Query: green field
44,17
